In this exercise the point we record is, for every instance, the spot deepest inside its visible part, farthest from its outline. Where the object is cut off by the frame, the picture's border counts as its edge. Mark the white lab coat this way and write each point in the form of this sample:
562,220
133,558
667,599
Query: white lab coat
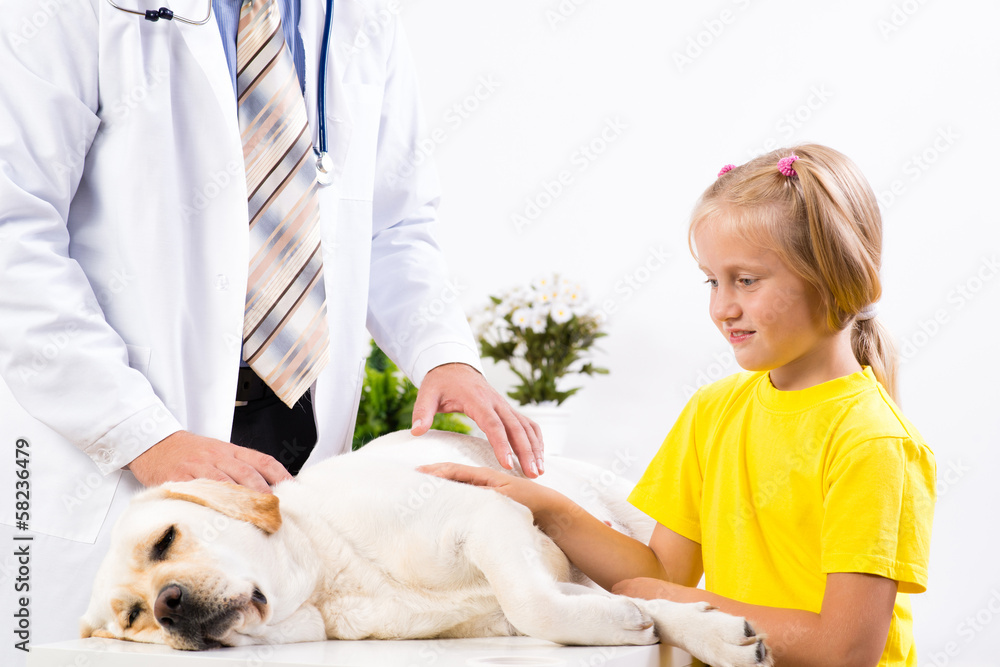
123,242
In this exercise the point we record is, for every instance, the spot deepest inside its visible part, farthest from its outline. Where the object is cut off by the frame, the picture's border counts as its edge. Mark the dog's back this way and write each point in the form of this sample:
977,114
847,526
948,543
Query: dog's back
598,490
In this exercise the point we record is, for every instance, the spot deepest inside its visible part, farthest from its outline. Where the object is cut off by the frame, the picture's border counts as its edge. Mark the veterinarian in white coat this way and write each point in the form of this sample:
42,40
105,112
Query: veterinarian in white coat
123,263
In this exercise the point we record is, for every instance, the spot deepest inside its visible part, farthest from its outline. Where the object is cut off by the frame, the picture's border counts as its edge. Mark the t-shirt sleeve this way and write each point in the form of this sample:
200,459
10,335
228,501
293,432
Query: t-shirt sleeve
878,511
670,489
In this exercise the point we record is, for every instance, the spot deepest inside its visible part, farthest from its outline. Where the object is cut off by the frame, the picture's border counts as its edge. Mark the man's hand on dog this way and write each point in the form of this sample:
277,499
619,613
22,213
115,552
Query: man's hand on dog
183,456
461,388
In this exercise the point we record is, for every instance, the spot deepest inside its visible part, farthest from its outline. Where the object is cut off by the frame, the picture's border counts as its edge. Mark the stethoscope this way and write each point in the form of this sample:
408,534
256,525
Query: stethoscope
324,163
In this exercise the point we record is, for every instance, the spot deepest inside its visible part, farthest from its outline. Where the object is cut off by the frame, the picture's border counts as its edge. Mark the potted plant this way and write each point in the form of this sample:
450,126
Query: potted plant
545,333
387,399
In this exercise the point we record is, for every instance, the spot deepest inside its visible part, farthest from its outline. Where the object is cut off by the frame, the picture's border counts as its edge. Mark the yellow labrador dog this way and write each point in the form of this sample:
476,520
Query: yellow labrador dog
364,547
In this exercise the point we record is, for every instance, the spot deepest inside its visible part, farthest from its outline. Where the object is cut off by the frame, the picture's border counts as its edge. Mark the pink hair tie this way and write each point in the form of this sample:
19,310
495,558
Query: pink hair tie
785,165
725,169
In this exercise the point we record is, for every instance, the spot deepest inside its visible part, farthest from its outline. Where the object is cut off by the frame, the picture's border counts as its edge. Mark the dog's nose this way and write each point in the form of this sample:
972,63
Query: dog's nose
167,609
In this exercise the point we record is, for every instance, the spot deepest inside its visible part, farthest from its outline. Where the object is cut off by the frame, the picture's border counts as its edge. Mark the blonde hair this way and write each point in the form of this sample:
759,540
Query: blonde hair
824,223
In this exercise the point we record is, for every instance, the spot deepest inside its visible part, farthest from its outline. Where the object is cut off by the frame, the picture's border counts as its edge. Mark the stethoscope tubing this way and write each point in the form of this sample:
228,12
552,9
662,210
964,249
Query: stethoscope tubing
324,55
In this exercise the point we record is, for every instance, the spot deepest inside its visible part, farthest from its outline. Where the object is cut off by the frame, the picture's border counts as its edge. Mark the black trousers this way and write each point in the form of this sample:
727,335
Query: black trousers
264,423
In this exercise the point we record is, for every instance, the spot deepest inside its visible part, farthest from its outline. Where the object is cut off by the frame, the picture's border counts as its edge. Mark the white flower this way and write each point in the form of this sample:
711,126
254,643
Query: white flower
561,313
522,317
519,296
539,320
480,323
543,284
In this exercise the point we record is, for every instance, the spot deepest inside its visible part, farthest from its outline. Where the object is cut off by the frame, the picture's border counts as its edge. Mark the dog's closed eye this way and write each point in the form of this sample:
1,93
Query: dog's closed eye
133,615
159,551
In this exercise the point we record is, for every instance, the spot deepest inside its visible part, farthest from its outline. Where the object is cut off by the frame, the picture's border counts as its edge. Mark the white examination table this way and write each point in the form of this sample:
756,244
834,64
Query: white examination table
491,652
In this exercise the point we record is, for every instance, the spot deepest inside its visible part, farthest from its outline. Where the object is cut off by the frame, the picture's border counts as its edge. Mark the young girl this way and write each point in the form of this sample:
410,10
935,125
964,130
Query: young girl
797,487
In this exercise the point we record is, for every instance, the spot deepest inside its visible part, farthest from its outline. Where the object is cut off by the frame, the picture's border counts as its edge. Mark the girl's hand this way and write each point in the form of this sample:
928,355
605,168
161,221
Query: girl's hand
526,492
648,588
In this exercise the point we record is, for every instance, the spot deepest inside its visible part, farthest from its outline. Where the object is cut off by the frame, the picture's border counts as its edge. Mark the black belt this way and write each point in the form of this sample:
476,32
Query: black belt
261,421
250,387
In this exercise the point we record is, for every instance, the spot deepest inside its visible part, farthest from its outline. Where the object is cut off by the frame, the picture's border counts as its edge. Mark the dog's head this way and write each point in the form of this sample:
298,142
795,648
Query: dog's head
185,567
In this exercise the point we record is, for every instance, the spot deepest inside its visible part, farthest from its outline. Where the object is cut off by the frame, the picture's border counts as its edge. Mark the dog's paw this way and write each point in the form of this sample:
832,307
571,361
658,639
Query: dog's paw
712,636
737,643
603,620
631,626
627,624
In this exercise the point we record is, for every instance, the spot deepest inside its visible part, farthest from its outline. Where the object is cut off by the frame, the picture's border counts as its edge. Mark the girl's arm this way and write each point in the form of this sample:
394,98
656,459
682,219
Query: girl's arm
608,556
600,551
850,629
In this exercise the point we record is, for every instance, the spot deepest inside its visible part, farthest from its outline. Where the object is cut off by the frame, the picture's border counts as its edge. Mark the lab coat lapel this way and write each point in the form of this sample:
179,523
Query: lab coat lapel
348,16
205,45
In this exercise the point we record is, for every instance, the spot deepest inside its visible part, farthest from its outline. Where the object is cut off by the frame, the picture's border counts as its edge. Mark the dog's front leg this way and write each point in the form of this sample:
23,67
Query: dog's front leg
304,625
524,568
712,636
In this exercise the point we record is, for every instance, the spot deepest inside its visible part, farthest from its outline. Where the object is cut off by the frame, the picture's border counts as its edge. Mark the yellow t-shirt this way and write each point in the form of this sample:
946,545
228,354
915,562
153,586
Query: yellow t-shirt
781,488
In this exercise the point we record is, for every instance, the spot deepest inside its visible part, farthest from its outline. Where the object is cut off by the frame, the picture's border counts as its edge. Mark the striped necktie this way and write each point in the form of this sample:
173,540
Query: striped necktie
285,332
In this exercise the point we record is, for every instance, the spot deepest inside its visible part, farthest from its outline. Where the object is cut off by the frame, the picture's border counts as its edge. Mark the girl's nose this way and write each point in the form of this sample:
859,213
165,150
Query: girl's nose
725,305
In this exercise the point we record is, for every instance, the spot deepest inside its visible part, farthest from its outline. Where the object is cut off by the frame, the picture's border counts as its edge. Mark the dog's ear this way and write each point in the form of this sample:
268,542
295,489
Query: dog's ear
97,632
87,629
236,502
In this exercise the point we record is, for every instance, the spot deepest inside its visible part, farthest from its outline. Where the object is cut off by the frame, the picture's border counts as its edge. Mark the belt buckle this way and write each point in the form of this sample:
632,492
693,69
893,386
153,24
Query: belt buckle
249,387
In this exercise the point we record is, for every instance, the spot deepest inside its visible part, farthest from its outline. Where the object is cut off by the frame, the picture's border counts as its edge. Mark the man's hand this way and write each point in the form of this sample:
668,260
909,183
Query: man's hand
461,388
183,456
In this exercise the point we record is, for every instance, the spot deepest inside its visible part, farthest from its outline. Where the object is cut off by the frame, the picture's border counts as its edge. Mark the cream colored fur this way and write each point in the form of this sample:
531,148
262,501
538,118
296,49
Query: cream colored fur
364,547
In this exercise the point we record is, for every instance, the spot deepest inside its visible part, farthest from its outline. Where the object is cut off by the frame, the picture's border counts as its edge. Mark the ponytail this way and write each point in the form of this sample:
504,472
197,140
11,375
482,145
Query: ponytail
873,346
845,234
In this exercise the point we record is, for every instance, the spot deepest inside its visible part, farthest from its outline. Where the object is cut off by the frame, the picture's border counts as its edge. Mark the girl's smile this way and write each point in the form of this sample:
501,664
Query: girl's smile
738,336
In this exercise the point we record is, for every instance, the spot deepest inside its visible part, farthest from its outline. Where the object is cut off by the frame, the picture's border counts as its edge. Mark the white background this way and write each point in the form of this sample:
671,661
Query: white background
906,89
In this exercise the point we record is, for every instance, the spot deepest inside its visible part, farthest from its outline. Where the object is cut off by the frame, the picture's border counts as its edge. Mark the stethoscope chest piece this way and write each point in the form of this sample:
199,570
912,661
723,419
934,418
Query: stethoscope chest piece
324,168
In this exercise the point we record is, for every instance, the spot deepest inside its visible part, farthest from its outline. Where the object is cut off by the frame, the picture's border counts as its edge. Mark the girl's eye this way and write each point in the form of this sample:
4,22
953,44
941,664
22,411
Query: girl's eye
712,282
747,282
